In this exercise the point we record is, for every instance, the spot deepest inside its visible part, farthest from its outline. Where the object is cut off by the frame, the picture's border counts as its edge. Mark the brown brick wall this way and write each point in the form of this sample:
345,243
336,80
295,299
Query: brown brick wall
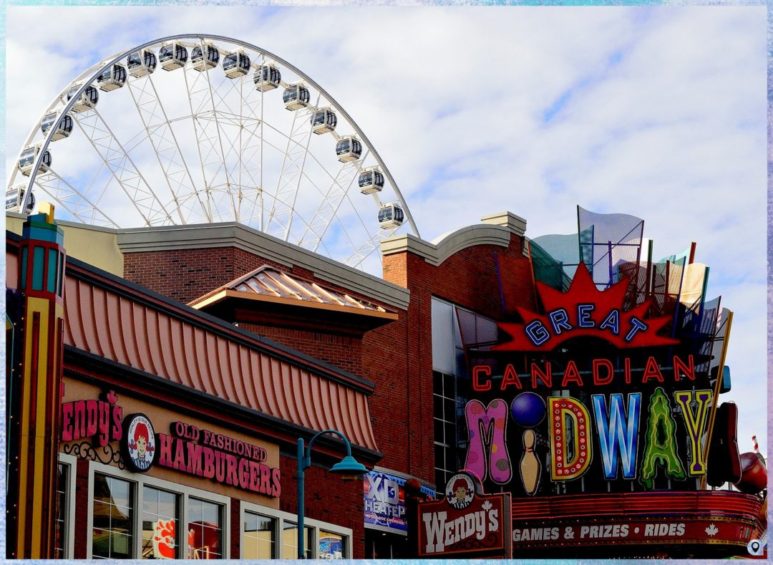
189,273
397,357
339,350
327,498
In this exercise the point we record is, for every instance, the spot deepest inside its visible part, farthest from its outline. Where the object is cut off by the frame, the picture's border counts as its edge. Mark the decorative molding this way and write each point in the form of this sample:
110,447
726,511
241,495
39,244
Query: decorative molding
106,455
436,253
232,234
515,224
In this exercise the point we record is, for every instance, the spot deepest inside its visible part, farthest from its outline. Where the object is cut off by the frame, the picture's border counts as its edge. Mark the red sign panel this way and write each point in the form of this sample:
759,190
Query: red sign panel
641,531
585,311
481,528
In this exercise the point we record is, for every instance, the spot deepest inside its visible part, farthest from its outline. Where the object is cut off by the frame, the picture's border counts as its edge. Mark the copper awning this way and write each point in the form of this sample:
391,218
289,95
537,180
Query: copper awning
268,284
121,322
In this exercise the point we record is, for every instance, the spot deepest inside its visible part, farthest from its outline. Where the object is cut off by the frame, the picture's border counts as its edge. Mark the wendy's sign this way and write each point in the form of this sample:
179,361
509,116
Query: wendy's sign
96,419
588,396
218,457
466,523
138,445
187,449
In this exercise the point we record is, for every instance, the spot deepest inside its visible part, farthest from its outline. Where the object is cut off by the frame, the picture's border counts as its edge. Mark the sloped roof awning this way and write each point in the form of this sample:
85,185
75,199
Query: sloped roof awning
115,320
268,289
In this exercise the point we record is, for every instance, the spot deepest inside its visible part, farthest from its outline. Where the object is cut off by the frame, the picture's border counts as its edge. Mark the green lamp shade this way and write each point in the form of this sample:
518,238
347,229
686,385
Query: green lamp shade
349,466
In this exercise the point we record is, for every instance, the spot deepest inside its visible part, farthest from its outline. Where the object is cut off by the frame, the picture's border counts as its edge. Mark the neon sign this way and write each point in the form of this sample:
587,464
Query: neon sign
584,311
588,390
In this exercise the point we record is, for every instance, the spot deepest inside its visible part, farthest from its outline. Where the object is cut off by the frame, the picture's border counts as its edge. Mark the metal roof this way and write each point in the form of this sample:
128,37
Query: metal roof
120,323
269,284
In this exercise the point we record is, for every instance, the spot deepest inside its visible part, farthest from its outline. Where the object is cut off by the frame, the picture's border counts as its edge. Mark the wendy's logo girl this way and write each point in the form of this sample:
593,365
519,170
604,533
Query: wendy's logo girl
139,442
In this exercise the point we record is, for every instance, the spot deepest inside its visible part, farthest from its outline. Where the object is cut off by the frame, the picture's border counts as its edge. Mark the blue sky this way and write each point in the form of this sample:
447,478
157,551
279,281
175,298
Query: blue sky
656,112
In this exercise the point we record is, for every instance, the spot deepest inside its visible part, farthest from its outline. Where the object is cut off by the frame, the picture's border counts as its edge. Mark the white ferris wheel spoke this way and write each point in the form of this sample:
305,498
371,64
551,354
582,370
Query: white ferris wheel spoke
73,200
122,167
161,135
331,203
208,147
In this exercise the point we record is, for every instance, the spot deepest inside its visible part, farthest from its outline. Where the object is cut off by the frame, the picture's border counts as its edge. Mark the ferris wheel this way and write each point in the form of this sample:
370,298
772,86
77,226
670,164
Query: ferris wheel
192,129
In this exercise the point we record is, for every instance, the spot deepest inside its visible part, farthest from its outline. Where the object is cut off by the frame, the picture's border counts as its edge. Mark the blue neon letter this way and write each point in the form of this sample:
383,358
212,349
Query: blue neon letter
616,433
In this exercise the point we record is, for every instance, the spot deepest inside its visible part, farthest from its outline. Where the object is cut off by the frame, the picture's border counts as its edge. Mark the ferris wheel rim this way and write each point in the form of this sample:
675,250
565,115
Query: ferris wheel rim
88,76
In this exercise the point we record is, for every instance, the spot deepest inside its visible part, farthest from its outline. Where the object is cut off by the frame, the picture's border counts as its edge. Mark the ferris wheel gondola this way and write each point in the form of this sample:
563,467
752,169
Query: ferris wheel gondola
86,101
201,147
267,77
172,56
295,97
205,57
236,64
390,216
63,129
27,160
348,149
141,63
14,200
371,181
323,121
112,78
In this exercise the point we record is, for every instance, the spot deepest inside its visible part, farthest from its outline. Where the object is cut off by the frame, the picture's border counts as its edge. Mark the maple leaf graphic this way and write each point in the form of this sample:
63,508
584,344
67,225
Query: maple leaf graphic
712,530
486,505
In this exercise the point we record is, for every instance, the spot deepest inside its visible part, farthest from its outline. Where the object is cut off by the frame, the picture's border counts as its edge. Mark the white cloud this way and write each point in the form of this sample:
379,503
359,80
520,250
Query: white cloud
656,112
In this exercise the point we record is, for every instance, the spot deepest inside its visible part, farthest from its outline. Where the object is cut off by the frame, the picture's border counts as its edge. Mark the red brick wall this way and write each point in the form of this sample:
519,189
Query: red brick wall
398,357
327,498
189,273
339,350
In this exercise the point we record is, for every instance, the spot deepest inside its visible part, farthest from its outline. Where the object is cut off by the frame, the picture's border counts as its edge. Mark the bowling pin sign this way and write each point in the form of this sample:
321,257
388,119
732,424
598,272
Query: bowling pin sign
530,466
528,410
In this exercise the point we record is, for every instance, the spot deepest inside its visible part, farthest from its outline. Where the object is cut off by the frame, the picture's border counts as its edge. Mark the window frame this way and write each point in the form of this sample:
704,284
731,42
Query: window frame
280,517
68,535
183,491
447,350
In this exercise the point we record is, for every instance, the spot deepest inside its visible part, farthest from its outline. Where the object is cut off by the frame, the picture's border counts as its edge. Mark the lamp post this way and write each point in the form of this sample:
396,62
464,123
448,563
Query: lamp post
346,466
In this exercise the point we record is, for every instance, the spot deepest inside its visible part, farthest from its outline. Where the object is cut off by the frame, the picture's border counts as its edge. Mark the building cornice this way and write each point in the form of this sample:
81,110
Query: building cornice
496,229
232,234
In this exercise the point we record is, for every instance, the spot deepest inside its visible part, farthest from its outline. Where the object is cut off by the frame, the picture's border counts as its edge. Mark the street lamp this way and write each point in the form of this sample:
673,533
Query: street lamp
346,466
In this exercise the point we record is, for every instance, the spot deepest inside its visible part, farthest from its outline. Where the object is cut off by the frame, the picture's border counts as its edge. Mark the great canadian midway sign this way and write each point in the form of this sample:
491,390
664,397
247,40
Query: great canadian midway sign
592,415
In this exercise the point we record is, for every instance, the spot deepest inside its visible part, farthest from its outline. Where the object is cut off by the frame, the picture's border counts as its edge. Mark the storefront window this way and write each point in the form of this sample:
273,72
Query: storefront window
290,540
259,537
331,546
171,521
112,518
267,533
160,524
62,480
205,529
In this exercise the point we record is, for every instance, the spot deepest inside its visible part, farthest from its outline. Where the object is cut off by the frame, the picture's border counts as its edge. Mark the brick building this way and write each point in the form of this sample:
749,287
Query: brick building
386,360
